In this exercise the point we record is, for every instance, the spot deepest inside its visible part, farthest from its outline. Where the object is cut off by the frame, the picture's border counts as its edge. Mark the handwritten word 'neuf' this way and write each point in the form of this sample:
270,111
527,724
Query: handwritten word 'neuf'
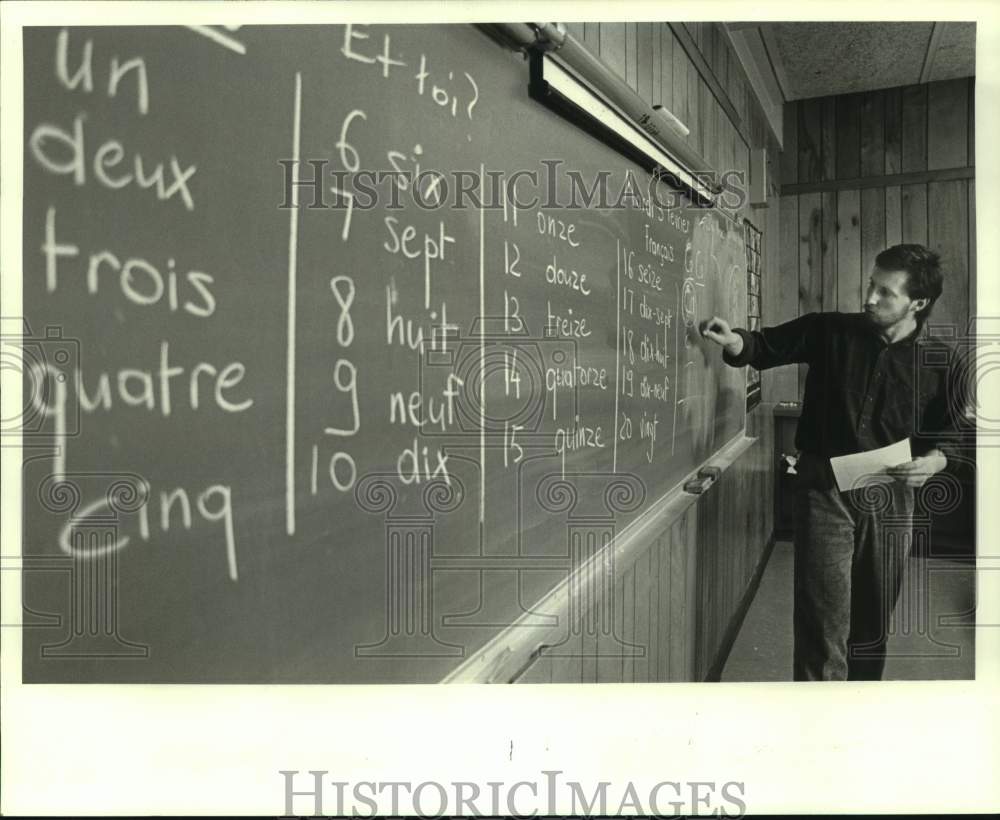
63,152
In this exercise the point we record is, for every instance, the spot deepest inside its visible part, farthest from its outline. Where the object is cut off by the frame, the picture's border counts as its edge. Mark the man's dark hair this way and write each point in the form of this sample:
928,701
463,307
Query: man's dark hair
923,269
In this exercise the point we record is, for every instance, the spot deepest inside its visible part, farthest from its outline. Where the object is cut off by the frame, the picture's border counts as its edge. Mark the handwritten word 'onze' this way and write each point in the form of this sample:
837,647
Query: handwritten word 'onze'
48,141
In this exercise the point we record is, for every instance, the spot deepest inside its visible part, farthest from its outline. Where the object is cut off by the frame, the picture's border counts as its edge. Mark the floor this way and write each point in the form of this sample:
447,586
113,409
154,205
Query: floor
931,639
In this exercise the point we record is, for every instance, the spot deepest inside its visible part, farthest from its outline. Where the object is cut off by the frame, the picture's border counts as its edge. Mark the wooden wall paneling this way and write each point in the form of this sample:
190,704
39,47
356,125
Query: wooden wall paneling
682,108
810,274
893,98
848,160
913,213
828,249
947,124
786,379
663,604
631,56
696,137
913,139
848,251
893,215
627,620
644,61
655,63
789,164
948,234
643,592
872,134
676,544
872,232
578,30
539,672
666,38
828,142
592,37
810,140
651,617
609,644
567,658
613,48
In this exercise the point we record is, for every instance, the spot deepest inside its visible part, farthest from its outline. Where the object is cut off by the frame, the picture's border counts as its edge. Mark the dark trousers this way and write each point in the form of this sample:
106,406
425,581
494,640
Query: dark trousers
850,554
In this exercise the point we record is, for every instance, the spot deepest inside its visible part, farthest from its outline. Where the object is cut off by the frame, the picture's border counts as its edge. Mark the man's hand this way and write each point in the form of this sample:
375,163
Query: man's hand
915,473
719,331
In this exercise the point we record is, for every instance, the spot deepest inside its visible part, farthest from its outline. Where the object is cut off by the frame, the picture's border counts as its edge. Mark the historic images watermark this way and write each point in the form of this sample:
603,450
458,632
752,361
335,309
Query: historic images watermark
315,184
315,793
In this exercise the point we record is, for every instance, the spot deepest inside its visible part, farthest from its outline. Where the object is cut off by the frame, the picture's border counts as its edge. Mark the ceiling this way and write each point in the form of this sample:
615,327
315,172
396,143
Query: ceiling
818,59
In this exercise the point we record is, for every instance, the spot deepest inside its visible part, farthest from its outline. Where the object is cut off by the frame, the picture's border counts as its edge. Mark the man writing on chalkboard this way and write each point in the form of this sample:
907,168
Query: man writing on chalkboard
867,387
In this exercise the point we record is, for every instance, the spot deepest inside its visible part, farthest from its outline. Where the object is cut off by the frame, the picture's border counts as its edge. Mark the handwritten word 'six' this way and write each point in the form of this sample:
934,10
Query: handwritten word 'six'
446,96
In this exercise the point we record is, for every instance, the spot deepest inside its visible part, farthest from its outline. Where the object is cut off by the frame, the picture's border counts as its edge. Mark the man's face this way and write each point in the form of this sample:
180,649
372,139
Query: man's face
887,302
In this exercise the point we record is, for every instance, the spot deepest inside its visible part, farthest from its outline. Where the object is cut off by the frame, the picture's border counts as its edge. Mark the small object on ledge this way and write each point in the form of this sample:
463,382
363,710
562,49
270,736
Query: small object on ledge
697,486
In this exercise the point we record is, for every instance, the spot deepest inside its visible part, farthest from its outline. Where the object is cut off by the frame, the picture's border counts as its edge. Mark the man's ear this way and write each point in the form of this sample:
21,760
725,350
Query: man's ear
919,304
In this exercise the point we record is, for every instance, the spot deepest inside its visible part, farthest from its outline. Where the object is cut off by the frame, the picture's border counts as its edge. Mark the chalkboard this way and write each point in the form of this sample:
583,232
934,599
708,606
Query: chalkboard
280,432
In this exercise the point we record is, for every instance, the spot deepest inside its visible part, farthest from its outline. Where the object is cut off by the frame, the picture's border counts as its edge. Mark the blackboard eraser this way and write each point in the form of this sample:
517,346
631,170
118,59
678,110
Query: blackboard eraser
710,472
697,485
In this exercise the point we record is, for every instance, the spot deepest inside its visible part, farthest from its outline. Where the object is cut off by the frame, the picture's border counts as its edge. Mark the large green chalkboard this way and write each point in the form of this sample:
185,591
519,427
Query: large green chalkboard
281,433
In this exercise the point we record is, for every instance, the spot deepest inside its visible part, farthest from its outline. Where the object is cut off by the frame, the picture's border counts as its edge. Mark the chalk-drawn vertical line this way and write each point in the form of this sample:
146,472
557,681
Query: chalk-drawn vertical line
482,357
618,347
293,239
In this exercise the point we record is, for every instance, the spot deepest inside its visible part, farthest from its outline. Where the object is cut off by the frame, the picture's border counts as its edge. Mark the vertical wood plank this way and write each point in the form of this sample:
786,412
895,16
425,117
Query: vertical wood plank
652,616
655,63
828,247
666,38
642,596
893,130
810,139
810,276
627,620
677,547
663,608
680,83
828,147
694,81
872,134
893,215
610,649
948,234
631,56
848,136
578,30
947,124
810,263
786,379
914,129
848,251
913,213
612,38
790,144
872,230
592,37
